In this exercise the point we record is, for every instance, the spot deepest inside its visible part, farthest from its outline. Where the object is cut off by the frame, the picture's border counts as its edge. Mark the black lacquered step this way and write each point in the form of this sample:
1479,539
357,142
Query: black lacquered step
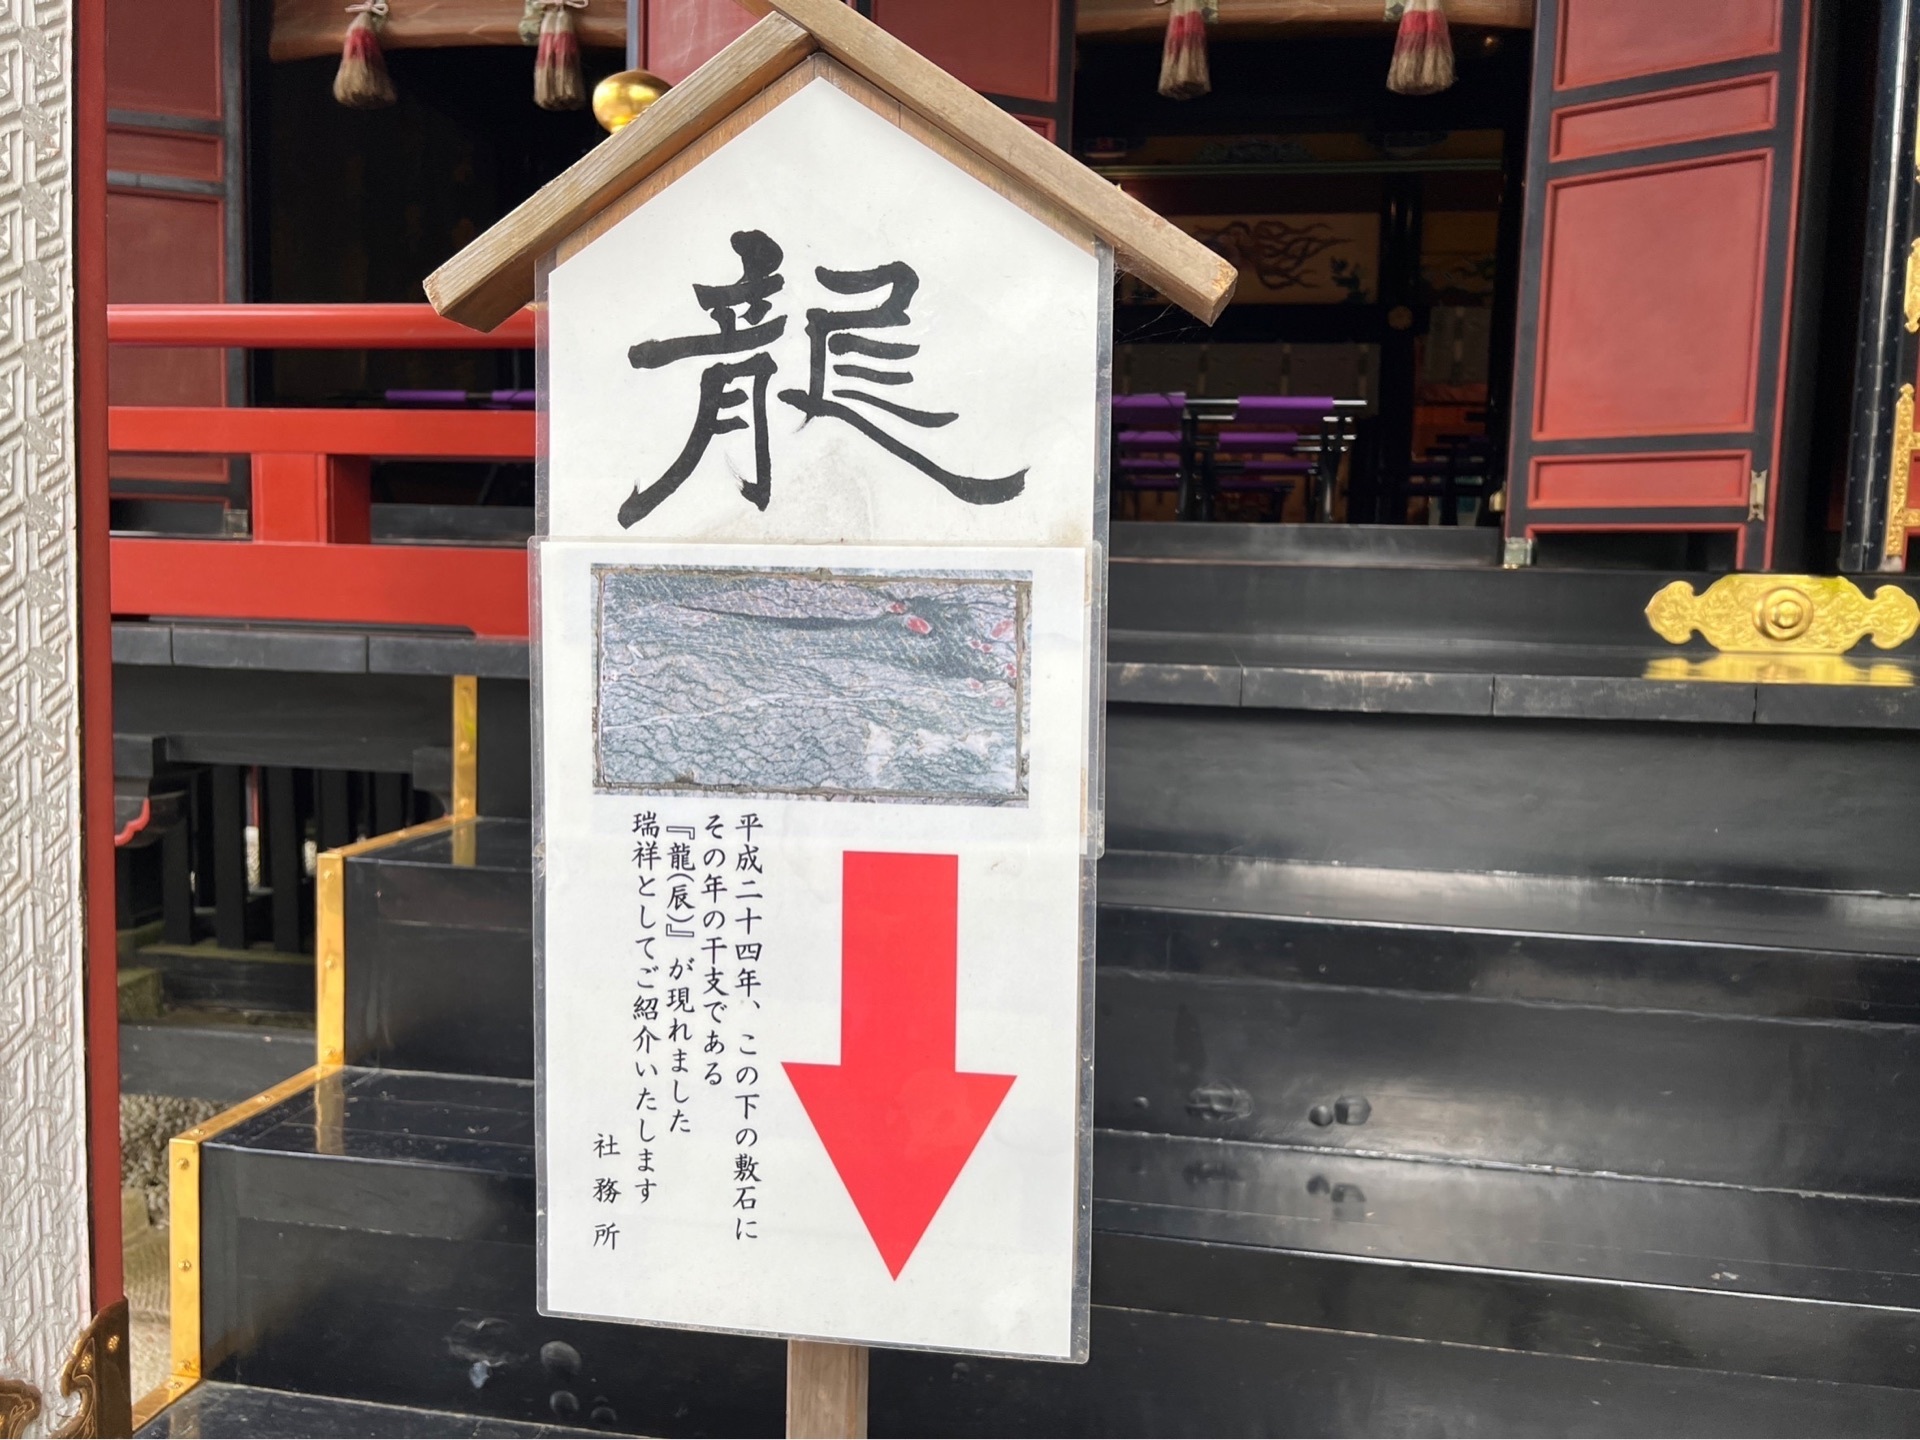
1600,1267
1158,1374
1836,1249
214,1411
1799,1105
207,1057
1718,949
440,970
208,977
1756,805
440,952
373,1238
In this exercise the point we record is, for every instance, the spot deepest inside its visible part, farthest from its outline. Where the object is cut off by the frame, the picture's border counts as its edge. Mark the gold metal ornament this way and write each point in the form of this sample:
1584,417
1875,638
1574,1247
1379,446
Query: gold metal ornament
99,1375
1784,614
1899,478
619,99
19,1403
1780,670
1912,295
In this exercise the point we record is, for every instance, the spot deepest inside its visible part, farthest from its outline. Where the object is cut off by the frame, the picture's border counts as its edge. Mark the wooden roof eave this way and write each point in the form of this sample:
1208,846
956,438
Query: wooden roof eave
494,276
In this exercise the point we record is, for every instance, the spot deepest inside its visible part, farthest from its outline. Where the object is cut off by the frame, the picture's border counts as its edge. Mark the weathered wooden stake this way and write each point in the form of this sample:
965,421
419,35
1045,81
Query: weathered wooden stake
826,1391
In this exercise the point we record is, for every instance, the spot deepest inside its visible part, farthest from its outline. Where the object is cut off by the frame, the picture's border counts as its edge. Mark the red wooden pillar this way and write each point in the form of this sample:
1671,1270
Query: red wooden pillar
1662,215
96,648
312,497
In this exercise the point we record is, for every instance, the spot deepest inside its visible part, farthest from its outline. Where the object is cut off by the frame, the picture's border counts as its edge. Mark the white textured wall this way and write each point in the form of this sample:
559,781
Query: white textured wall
43,1162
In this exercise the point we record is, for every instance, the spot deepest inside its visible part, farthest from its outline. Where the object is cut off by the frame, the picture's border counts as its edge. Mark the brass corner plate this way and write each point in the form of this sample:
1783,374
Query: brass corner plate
1784,614
466,746
159,1398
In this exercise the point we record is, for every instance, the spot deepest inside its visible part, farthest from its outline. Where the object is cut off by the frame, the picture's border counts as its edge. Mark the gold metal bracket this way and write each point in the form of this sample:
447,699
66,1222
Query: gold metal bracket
1757,495
1900,516
466,746
1791,614
1913,289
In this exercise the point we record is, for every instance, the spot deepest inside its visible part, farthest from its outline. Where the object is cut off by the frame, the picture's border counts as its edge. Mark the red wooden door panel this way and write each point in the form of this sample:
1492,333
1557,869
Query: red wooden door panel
163,247
172,201
1018,53
1656,285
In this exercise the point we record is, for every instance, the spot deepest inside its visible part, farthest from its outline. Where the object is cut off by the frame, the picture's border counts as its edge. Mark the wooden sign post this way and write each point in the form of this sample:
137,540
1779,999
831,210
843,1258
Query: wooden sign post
826,1391
820,596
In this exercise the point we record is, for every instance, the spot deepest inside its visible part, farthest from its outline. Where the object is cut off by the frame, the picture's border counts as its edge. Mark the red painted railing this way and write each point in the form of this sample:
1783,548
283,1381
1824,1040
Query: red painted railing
309,557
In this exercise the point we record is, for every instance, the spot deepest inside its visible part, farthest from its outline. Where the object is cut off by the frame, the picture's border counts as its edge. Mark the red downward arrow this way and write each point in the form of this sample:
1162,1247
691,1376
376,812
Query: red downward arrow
897,1119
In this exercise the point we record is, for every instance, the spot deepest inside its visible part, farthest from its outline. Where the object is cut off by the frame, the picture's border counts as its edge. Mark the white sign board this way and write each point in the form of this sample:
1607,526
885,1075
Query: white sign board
819,627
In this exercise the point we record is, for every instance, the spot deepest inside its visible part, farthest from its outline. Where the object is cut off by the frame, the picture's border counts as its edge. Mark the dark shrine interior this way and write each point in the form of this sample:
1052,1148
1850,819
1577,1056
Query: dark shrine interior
1378,238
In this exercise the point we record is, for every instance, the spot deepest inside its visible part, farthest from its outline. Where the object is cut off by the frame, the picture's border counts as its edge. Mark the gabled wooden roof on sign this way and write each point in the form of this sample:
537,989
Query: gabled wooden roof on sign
494,276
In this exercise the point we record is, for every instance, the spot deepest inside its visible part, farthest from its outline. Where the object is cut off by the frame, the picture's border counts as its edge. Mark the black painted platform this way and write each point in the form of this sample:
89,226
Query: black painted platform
1447,546
212,1411
316,649
1369,619
1488,678
1397,620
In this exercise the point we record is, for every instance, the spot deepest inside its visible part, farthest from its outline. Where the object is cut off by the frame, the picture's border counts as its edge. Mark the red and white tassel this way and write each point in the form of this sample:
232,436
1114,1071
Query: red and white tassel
557,81
1183,59
1422,51
362,82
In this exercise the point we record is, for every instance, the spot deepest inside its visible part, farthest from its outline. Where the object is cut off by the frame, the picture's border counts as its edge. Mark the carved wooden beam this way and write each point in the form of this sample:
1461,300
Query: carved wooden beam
1142,19
303,29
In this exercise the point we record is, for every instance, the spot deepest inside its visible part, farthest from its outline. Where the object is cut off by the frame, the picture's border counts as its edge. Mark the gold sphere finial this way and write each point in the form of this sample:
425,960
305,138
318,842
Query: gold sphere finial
620,98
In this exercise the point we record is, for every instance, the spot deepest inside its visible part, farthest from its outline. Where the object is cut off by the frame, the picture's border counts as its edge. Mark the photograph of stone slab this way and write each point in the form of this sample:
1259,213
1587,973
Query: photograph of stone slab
841,685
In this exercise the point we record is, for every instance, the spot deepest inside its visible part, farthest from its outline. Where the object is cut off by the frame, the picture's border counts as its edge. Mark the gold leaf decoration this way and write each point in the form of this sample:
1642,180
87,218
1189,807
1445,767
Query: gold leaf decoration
1784,614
